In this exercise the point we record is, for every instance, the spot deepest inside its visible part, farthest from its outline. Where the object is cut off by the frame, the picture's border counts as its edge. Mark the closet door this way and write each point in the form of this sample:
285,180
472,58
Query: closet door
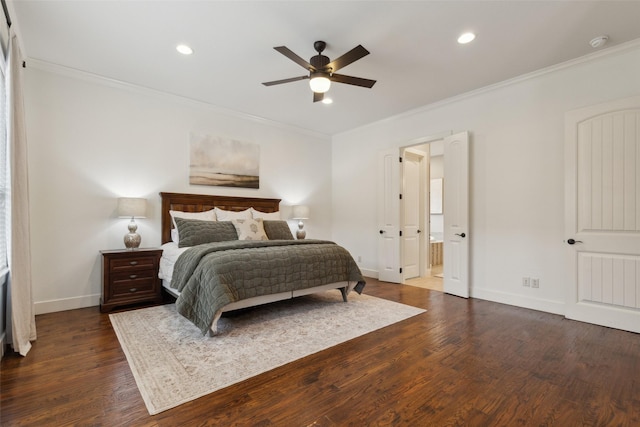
602,223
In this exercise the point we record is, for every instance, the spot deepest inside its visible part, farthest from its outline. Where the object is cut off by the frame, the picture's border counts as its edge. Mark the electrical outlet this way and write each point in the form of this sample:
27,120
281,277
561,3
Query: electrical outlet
526,281
535,283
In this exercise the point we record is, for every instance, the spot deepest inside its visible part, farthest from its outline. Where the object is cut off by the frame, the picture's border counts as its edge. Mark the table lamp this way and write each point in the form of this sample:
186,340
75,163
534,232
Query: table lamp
301,212
132,207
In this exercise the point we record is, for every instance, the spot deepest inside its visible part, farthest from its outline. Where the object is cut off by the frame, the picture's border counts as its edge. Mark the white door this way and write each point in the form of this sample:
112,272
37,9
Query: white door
602,214
412,211
456,215
389,216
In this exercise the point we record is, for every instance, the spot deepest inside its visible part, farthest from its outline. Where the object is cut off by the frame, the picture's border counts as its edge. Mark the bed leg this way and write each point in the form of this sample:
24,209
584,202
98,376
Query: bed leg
344,293
213,329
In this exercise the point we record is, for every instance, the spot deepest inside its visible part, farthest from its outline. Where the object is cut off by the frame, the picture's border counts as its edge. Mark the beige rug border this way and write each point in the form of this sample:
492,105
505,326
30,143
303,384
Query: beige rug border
136,364
140,381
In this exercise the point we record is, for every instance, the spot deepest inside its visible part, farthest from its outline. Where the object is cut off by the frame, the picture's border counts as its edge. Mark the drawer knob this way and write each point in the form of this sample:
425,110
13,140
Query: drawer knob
133,276
133,262
133,289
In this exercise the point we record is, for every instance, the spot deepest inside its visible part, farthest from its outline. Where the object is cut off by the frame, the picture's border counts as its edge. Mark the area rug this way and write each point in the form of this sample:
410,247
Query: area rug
173,363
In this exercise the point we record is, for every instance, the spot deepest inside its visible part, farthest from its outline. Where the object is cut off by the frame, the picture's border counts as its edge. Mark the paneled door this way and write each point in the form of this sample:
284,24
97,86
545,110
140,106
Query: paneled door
389,255
414,177
456,215
602,208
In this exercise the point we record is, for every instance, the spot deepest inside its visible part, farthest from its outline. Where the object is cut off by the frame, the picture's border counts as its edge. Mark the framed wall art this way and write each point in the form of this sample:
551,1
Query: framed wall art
223,162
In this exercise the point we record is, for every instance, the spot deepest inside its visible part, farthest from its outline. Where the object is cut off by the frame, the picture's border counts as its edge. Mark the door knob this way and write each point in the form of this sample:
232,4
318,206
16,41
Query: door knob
573,242
381,231
461,235
419,231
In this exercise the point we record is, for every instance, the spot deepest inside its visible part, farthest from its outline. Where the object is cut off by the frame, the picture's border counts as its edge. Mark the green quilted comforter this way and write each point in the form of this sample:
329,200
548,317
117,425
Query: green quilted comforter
213,275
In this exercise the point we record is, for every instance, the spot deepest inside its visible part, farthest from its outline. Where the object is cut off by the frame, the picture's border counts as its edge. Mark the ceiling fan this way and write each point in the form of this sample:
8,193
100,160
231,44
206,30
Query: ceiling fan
322,71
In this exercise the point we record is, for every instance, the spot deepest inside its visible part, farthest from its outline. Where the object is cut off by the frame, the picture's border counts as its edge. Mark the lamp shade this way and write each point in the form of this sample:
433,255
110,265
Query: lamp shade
132,207
300,212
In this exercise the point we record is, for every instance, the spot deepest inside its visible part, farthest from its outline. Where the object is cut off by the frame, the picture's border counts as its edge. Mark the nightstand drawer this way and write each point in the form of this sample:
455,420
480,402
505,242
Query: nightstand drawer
132,284
126,264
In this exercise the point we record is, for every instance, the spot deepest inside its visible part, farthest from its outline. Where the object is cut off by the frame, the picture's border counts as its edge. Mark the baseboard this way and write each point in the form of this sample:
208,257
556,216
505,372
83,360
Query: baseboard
369,273
64,304
548,306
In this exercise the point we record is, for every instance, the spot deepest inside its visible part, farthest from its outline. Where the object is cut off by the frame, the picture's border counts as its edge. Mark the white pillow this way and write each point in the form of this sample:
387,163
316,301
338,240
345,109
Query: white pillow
274,216
250,229
223,215
202,216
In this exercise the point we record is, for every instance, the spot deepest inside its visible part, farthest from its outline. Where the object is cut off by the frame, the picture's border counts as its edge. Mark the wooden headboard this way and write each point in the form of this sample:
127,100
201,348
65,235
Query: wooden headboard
202,202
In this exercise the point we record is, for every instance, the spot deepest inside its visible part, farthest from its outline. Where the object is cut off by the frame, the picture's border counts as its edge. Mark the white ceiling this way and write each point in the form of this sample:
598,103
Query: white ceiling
414,54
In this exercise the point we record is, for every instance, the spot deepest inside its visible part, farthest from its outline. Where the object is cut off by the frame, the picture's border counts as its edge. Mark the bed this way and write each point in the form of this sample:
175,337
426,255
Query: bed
210,267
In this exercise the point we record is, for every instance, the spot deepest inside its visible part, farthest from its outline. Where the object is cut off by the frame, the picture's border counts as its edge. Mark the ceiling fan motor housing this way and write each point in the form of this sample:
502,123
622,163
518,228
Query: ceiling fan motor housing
319,61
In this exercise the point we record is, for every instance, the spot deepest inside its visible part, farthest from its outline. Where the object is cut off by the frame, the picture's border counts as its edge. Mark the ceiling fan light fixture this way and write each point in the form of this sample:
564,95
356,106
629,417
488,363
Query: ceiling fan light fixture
319,83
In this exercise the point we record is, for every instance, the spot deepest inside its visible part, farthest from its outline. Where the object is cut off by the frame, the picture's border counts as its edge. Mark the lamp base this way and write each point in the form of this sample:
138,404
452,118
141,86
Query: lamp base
132,239
300,232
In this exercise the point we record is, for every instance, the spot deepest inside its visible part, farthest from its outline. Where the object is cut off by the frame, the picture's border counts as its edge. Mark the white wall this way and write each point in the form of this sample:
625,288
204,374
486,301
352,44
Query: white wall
516,173
91,140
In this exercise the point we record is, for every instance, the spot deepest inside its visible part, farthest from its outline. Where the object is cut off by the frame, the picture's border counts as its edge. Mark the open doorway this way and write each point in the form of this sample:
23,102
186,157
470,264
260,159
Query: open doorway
455,203
423,203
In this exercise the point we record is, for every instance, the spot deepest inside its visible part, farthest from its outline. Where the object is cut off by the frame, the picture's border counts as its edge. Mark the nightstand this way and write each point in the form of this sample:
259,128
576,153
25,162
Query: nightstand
129,277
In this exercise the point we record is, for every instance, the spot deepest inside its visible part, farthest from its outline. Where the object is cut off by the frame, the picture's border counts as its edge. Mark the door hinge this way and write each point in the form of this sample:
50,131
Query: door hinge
400,196
400,233
400,159
400,270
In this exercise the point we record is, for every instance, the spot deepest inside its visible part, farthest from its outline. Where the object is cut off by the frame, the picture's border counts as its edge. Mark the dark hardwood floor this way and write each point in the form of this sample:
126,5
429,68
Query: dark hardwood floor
463,362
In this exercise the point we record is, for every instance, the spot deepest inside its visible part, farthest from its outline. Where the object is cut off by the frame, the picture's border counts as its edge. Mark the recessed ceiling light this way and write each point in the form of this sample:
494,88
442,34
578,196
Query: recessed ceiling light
327,101
466,38
184,49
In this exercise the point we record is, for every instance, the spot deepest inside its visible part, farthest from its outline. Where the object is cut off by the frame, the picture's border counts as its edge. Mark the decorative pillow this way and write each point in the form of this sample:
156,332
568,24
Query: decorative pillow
203,216
277,230
195,232
265,215
223,215
250,229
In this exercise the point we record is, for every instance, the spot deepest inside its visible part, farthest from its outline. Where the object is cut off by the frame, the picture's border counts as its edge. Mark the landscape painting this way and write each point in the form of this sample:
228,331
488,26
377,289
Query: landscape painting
223,162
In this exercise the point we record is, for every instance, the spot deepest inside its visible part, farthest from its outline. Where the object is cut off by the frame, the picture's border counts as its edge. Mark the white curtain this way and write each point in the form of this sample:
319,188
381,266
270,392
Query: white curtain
21,314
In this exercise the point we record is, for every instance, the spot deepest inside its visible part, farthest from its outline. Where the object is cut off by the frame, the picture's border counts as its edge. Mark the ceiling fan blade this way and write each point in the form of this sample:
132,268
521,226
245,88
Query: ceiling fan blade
357,81
279,82
318,96
349,57
295,58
